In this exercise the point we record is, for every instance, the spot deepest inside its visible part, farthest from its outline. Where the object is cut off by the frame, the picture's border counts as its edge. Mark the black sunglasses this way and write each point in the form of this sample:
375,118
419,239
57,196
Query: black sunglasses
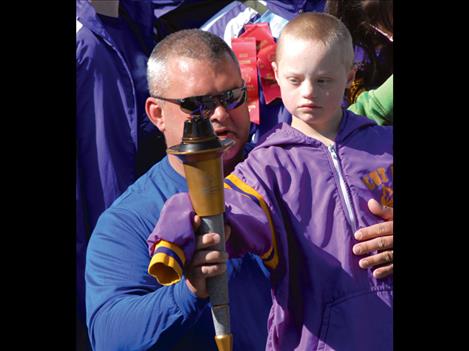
206,104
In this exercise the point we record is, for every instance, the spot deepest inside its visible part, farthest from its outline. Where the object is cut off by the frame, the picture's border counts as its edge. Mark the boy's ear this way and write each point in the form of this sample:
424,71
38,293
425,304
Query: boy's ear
155,113
275,68
351,76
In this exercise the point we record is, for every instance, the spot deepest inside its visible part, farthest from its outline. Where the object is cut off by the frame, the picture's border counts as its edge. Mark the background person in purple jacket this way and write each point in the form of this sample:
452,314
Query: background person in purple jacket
115,142
300,196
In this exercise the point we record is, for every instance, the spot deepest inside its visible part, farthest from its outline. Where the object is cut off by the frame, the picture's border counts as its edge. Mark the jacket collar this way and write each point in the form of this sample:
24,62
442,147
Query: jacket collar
351,123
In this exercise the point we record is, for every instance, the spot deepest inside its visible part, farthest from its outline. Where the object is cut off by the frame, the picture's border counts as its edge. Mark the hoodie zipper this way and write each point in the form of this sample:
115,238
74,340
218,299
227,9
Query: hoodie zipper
343,187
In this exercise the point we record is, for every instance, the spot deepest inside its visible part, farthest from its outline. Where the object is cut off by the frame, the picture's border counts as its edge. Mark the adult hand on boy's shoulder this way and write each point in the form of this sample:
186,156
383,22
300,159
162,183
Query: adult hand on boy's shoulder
378,237
205,262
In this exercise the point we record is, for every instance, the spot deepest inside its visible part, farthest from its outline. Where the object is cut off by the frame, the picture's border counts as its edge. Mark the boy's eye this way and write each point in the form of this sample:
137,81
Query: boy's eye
323,80
293,80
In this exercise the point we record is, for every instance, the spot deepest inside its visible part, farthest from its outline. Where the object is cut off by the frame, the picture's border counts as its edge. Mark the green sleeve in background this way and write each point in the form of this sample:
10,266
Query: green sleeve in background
376,104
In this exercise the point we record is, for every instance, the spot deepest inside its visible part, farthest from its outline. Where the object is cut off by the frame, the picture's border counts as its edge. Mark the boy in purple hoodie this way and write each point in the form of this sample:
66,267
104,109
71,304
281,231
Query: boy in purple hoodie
299,197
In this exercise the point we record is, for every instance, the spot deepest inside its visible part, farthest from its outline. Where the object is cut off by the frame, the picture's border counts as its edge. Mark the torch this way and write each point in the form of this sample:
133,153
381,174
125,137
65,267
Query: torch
201,153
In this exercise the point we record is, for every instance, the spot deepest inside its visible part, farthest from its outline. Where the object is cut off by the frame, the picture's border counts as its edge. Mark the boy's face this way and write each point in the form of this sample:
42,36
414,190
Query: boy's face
312,80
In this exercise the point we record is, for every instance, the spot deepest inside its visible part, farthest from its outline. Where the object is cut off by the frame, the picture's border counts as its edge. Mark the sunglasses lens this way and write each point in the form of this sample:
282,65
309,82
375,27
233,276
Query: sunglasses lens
190,105
231,99
234,98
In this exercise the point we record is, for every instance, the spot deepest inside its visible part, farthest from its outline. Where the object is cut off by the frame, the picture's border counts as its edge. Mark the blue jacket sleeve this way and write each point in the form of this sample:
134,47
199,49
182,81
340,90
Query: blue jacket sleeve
126,308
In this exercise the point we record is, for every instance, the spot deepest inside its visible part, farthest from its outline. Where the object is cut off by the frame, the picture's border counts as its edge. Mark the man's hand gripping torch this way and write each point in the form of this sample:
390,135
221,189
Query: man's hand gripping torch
201,153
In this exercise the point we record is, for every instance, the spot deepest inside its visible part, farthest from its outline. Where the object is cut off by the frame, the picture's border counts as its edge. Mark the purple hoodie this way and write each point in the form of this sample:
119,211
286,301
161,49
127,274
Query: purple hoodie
296,203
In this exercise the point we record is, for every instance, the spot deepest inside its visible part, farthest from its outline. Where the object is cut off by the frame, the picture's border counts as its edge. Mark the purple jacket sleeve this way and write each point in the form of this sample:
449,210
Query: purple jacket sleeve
172,242
252,227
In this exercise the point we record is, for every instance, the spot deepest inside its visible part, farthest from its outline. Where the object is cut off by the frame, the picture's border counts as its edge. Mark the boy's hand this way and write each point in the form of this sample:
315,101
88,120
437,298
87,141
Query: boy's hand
205,262
378,237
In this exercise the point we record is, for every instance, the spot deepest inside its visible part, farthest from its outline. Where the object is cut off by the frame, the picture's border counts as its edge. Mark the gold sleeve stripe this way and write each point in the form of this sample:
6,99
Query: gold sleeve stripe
167,263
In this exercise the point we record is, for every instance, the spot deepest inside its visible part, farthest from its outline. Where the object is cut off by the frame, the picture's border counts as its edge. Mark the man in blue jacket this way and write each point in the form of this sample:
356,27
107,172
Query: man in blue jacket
126,308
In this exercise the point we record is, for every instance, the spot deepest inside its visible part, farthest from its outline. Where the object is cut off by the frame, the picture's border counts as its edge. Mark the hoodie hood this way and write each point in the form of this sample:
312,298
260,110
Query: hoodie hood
349,125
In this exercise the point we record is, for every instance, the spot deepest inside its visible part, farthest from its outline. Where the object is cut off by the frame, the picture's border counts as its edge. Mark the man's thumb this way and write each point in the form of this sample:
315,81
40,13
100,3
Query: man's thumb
379,210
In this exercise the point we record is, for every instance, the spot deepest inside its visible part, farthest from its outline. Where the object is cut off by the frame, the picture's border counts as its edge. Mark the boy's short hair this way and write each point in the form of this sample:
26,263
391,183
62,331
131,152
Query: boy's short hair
319,26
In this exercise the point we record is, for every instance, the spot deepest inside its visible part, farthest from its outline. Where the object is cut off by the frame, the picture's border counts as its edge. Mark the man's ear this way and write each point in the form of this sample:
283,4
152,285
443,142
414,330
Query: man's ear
351,76
155,113
275,68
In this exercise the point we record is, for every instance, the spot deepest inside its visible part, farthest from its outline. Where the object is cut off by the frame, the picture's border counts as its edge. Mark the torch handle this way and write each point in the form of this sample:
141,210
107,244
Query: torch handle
201,153
218,286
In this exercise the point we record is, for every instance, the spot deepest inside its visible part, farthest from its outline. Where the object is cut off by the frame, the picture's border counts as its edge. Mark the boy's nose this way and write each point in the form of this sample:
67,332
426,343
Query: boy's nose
307,90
